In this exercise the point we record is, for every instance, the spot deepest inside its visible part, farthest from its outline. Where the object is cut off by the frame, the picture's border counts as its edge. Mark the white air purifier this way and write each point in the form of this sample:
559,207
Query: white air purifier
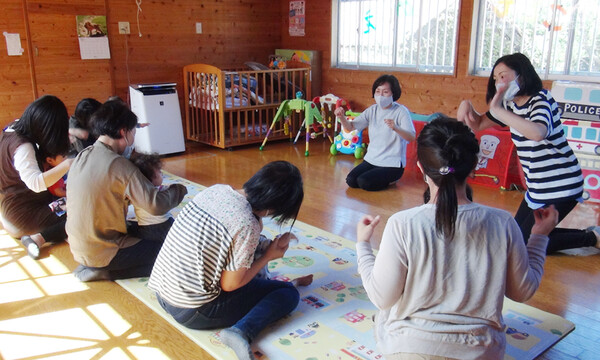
159,118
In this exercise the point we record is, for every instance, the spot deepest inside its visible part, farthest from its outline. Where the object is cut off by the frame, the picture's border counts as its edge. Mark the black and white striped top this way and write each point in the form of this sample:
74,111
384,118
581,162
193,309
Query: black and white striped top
552,172
214,232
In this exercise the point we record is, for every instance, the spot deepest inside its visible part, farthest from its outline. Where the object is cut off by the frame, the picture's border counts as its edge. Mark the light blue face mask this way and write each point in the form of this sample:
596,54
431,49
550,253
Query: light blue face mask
512,90
384,101
128,149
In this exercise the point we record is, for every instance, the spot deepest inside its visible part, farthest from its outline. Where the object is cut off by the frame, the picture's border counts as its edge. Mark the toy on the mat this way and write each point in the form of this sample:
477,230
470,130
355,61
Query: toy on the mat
349,142
311,113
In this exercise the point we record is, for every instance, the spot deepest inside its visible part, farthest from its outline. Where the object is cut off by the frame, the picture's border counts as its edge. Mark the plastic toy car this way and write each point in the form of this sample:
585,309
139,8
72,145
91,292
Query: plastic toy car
349,143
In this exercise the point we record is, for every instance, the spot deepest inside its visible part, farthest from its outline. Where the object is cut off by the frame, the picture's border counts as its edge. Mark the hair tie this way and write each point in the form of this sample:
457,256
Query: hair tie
445,170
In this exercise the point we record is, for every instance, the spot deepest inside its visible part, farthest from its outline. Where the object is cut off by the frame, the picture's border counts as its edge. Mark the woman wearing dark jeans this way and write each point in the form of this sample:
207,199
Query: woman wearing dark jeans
517,100
206,273
390,130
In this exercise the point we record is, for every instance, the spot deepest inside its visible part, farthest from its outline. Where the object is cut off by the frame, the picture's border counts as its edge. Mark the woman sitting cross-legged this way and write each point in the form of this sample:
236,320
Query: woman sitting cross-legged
205,274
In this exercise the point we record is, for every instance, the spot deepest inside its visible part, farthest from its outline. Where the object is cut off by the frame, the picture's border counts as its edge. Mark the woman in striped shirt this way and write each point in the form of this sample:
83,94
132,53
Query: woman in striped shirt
517,99
205,273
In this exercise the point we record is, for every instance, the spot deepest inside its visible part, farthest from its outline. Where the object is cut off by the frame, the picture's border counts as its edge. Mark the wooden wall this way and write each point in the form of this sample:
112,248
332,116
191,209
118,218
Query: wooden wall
234,31
16,88
421,93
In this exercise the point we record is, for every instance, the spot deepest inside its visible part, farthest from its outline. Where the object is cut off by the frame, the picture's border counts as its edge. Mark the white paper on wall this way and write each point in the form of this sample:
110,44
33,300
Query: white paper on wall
13,44
94,48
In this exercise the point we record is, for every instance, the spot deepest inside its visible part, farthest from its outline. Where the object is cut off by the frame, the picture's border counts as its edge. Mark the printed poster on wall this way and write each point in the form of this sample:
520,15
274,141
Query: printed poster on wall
93,37
297,18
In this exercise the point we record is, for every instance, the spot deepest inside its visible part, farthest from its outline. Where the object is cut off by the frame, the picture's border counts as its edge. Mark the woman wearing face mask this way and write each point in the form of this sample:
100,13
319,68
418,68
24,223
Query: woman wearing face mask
102,183
552,173
390,130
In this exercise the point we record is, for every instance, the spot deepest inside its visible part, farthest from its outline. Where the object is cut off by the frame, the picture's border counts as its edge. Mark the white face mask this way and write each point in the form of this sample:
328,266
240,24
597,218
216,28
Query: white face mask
512,90
383,101
128,149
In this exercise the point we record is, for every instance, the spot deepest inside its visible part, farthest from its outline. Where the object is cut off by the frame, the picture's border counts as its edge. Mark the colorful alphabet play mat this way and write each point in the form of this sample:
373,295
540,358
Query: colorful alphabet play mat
334,317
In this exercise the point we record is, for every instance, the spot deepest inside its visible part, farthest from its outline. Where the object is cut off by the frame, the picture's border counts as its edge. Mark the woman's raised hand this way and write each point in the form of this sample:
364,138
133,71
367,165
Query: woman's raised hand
365,227
545,220
466,113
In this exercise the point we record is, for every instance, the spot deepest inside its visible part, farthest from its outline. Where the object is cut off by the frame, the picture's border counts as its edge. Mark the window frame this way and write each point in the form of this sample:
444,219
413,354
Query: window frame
545,75
416,69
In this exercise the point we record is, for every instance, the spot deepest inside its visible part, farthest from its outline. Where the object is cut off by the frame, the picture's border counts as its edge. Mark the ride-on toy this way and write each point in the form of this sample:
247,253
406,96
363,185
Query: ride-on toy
349,142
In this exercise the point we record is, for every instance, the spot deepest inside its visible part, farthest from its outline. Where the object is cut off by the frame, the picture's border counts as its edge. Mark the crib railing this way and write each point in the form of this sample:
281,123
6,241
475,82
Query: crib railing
227,108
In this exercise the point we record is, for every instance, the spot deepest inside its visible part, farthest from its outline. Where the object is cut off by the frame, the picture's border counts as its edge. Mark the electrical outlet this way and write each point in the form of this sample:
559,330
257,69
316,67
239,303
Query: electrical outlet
124,27
198,28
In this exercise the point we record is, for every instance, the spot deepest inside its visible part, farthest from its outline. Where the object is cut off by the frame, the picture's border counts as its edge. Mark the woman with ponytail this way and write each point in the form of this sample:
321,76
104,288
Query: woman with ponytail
443,268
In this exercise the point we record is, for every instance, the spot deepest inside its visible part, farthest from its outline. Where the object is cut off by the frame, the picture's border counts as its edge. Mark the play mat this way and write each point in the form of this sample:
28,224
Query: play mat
334,317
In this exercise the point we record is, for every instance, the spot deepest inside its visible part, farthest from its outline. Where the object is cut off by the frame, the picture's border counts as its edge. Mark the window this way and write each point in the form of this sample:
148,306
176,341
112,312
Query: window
561,38
405,35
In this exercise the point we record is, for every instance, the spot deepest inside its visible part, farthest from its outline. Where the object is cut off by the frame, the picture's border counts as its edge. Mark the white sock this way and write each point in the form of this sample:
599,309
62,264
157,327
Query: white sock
237,341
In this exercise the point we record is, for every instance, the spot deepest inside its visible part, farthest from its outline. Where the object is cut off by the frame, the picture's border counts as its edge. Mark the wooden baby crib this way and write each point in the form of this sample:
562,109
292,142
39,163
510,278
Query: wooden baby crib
228,108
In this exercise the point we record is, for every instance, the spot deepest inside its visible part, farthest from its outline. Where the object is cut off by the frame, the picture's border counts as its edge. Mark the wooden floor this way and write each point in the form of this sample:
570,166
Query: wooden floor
45,313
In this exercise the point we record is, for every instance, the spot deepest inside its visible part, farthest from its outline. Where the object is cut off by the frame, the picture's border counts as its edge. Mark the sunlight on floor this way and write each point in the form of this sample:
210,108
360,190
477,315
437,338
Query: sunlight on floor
23,278
73,333
96,331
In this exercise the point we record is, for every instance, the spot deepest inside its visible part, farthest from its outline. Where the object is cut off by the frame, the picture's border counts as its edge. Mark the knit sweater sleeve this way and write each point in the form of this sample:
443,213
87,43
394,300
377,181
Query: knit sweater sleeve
525,264
383,276
143,194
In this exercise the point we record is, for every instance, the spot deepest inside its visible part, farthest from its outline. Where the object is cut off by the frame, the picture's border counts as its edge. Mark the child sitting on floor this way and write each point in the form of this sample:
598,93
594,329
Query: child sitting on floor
150,226
59,188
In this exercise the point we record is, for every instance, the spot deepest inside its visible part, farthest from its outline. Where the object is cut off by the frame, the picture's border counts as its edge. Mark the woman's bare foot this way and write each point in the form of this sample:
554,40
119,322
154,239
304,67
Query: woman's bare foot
596,231
303,280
